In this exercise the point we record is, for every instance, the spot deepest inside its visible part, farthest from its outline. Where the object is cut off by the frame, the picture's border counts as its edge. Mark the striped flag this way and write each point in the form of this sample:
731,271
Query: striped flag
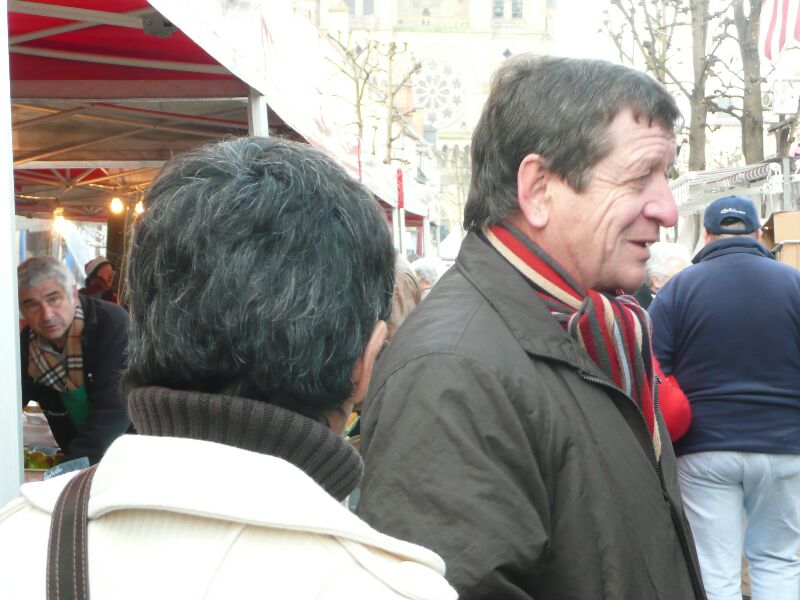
779,27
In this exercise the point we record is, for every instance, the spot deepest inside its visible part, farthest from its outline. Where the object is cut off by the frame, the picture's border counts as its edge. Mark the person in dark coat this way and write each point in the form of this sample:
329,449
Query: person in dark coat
512,424
728,329
99,280
73,350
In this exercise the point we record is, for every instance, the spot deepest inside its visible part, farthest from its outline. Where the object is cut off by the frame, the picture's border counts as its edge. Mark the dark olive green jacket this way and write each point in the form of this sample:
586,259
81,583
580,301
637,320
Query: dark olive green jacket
490,437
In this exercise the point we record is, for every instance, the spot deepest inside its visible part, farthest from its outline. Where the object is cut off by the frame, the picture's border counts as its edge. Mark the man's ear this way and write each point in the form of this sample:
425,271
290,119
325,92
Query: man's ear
362,370
532,192
75,294
707,237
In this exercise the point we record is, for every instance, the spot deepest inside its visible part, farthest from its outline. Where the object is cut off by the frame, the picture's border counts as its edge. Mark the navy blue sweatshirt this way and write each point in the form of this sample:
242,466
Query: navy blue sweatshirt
728,328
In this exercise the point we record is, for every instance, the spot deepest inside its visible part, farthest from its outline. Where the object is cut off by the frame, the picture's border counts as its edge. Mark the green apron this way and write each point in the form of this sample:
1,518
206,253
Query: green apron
77,404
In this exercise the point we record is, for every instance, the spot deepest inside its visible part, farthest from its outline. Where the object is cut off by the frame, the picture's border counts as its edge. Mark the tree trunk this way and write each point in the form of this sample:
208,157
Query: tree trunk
697,133
699,109
389,103
752,113
358,84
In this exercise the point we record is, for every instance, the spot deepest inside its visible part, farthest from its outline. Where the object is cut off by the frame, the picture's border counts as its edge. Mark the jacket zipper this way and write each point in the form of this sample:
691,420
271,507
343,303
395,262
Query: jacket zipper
607,385
696,585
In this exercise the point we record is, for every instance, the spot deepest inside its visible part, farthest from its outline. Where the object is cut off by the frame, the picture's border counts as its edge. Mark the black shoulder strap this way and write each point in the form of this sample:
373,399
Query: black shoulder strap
67,554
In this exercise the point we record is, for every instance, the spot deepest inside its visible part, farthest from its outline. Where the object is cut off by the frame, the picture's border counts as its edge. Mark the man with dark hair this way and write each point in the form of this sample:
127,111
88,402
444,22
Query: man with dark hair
73,350
728,329
260,278
512,423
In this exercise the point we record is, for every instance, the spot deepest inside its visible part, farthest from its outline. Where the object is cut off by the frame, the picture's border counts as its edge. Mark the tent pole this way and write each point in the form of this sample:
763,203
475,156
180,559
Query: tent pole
257,119
401,224
123,61
95,17
395,241
10,401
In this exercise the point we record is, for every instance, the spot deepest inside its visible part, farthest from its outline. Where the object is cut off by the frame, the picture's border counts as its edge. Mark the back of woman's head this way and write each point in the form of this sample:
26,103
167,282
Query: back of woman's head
259,269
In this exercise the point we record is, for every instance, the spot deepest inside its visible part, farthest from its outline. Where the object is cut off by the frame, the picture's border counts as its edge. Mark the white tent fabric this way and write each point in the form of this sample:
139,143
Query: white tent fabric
276,50
449,246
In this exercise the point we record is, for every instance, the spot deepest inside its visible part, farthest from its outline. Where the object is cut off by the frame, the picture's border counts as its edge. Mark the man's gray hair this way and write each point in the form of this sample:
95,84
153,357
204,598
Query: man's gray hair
560,109
34,271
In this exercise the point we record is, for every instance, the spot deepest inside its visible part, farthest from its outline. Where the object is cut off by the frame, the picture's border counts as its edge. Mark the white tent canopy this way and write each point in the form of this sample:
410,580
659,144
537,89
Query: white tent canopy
449,247
276,50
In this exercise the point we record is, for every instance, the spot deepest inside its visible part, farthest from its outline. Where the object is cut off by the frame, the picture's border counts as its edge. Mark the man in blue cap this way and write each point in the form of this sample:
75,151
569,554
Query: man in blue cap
728,329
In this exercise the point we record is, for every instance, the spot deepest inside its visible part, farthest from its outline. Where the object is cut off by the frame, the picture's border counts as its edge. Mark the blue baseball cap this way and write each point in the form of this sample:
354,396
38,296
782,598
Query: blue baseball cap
731,207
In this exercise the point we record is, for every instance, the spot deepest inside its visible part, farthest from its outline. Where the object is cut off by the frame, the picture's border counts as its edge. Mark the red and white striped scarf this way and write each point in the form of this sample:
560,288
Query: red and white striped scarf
613,330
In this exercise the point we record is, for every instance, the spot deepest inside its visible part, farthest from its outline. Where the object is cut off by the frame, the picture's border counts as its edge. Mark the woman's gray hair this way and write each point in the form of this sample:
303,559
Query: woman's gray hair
259,269
426,269
34,271
662,253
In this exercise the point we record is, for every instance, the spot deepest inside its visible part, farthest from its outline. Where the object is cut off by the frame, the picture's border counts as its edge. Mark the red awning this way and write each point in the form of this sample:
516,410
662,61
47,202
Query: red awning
113,85
110,44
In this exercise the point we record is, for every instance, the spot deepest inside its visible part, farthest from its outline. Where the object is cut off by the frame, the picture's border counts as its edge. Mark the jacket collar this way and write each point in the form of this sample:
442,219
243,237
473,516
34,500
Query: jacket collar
250,425
515,301
89,318
733,245
215,481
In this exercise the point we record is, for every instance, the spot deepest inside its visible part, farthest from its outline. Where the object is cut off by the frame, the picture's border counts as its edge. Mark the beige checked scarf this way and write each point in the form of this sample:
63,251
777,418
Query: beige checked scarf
61,371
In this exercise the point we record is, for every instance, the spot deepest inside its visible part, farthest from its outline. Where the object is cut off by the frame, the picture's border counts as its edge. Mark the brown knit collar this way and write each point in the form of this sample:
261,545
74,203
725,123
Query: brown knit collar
249,425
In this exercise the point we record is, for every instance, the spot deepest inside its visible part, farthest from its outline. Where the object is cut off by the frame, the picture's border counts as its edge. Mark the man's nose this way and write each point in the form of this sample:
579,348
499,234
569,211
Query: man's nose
661,205
47,312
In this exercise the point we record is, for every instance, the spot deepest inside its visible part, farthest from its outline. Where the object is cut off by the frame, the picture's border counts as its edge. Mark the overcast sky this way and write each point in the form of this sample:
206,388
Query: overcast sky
576,30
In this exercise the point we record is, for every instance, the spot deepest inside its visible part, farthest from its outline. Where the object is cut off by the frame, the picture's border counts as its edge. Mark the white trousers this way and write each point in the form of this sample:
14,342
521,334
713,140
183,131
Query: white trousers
719,490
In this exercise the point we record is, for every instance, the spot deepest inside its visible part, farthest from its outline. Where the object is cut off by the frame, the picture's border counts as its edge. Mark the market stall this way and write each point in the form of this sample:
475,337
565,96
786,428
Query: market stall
104,91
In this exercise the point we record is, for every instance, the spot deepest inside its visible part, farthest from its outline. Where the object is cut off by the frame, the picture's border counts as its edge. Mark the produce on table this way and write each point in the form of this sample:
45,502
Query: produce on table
36,459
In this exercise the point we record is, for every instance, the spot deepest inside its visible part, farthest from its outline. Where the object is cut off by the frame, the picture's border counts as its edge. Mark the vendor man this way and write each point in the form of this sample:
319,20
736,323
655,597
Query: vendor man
72,352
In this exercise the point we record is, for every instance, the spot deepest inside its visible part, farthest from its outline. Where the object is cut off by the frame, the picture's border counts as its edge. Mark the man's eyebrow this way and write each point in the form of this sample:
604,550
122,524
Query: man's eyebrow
656,161
52,295
646,163
28,301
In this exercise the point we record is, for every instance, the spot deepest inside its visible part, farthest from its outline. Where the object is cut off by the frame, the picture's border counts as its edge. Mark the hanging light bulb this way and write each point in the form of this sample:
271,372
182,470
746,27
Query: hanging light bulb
58,219
139,208
116,206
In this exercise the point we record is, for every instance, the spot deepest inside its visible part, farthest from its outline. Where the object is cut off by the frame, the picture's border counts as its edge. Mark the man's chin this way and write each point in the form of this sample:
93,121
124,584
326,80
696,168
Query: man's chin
632,281
52,336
